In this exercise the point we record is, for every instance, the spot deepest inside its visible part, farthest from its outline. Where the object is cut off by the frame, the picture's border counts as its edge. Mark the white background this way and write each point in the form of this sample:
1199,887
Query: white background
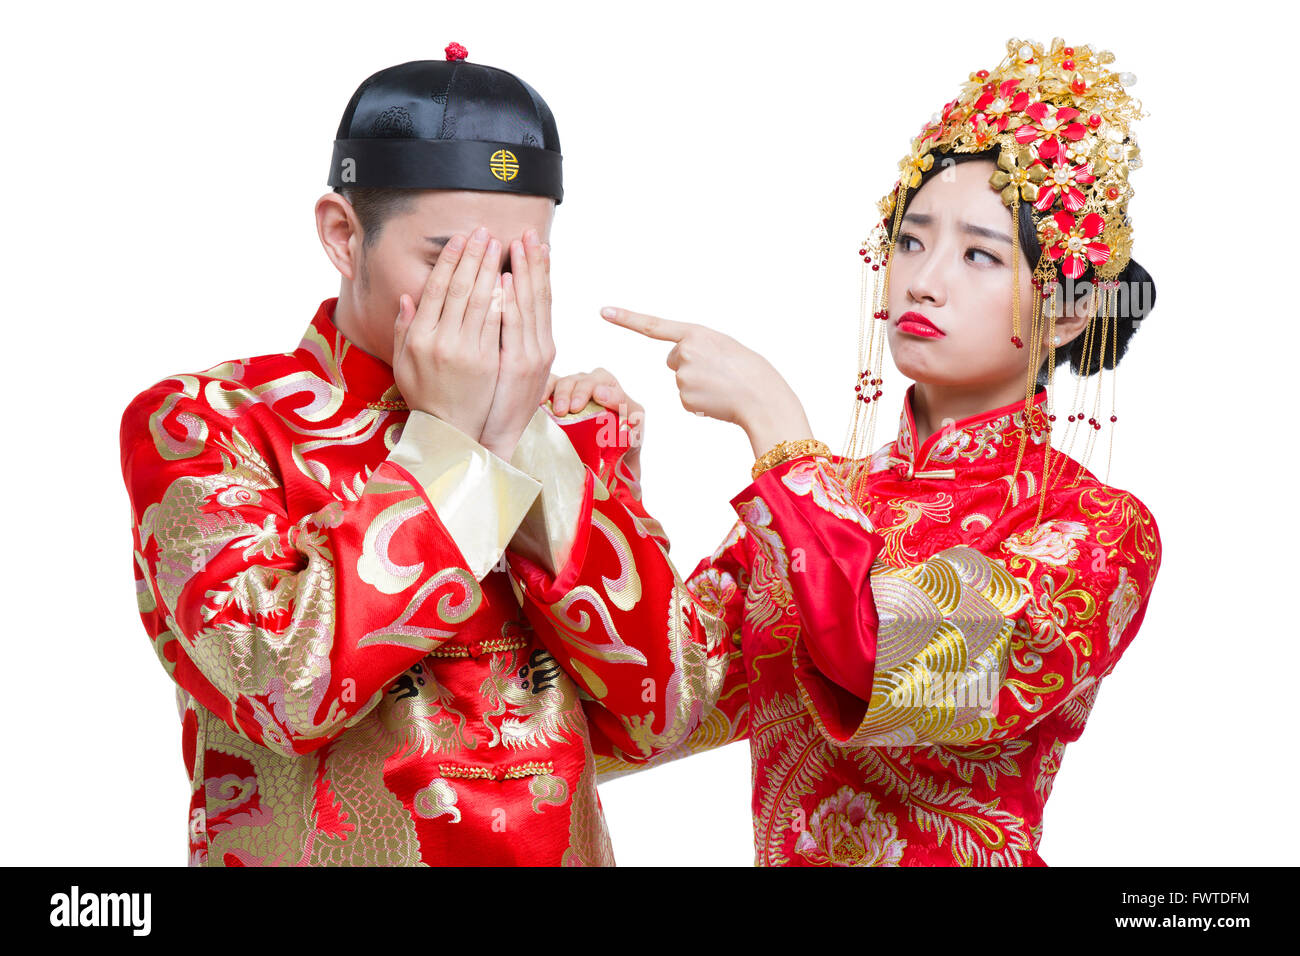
722,162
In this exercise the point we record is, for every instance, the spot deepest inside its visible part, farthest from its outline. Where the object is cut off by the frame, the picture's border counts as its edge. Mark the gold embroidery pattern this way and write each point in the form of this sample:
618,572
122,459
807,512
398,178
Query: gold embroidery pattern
1025,610
267,788
504,165
494,646
909,513
947,620
537,703
514,772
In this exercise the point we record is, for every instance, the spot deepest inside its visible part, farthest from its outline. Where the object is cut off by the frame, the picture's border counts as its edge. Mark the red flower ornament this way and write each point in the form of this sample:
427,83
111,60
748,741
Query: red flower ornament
1063,180
996,107
1050,124
1072,244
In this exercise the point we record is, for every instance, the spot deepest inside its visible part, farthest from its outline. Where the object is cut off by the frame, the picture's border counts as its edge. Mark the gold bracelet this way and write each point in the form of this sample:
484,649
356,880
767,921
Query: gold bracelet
787,450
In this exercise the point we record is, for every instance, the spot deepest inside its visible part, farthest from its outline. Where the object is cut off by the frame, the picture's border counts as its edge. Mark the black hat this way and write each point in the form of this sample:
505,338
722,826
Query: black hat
448,124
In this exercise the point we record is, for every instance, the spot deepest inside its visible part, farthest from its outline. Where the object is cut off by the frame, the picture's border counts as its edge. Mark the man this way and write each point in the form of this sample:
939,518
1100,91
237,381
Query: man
399,599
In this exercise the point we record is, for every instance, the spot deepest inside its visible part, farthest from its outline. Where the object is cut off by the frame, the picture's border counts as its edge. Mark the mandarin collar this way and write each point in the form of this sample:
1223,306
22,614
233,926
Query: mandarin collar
331,356
986,437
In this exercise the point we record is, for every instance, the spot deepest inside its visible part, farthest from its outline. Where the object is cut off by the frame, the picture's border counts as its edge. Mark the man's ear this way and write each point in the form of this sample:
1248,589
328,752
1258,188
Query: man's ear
339,230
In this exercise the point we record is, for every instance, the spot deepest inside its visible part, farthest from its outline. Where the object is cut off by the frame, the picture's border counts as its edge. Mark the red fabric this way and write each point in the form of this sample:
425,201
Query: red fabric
349,693
794,581
836,563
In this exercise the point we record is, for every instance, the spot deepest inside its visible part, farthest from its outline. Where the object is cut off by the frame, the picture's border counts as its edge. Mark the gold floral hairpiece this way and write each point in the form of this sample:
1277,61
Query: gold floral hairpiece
1061,123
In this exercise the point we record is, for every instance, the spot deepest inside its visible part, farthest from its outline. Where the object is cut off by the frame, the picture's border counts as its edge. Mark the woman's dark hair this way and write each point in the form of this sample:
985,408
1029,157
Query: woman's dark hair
1136,297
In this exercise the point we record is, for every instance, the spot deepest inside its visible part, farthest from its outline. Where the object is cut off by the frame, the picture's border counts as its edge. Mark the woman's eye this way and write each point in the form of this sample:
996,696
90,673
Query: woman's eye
988,256
904,240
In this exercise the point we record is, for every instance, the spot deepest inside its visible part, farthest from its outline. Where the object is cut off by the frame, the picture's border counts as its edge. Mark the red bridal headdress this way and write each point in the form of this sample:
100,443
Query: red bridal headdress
1060,124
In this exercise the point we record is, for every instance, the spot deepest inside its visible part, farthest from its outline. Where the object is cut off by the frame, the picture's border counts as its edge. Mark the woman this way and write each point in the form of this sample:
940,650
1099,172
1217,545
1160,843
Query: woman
922,631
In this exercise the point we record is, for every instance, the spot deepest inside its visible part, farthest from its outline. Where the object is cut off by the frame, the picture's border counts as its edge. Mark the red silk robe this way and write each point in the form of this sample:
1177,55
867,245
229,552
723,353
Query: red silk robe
908,671
389,645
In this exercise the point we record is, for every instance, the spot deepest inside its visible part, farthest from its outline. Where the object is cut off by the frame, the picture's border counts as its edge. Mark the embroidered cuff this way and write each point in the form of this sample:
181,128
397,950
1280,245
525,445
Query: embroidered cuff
479,498
547,533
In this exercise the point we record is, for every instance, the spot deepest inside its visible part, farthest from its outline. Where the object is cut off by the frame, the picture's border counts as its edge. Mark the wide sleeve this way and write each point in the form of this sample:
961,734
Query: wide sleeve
718,584
595,582
973,644
289,628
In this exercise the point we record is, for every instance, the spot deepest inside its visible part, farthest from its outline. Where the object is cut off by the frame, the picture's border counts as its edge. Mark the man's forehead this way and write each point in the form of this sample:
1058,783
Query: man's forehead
440,214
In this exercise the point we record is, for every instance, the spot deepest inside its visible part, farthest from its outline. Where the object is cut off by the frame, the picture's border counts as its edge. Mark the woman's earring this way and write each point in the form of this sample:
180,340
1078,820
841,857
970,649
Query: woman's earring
1057,340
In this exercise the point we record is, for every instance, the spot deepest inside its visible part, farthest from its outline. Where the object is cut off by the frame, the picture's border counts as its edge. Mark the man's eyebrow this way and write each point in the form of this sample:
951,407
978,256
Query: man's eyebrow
925,219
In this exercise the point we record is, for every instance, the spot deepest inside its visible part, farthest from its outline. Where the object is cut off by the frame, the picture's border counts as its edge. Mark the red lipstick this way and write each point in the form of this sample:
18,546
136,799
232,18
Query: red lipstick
914,323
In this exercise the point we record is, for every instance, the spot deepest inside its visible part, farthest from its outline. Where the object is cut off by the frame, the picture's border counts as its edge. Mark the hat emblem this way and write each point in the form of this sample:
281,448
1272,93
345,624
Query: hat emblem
504,165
